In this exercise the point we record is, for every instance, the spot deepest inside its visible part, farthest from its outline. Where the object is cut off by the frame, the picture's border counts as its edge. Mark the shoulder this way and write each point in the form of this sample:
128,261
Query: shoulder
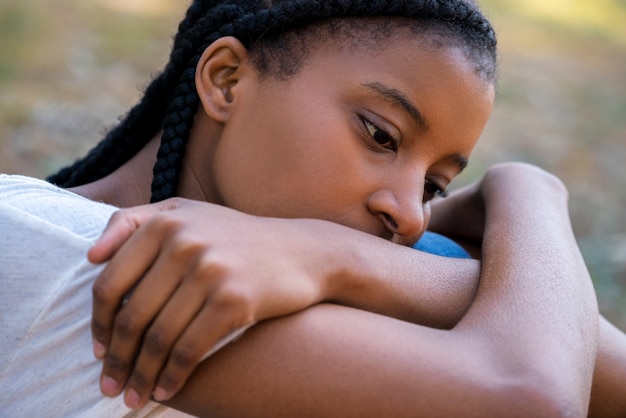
45,232
29,203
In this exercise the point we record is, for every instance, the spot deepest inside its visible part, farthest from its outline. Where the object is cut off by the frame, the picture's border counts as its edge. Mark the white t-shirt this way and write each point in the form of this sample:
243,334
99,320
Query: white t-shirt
47,367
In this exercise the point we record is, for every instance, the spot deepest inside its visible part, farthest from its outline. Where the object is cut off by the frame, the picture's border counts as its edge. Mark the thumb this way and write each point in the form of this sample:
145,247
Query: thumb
123,224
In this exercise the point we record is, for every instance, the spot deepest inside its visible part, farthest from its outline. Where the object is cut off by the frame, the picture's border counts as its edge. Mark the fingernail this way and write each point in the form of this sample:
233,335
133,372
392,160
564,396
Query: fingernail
108,386
99,350
131,398
160,395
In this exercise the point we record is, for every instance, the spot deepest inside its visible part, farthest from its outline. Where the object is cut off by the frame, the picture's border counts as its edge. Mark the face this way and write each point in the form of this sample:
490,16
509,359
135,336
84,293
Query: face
361,138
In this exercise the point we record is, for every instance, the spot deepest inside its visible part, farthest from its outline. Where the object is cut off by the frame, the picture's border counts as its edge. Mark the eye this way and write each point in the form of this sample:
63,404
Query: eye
432,190
381,137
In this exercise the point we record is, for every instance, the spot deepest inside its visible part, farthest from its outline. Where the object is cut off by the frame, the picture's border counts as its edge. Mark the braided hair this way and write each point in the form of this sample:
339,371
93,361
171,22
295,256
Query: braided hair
278,36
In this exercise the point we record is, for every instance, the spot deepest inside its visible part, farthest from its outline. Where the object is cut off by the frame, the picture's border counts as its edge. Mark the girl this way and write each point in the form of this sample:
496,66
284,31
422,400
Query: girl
317,132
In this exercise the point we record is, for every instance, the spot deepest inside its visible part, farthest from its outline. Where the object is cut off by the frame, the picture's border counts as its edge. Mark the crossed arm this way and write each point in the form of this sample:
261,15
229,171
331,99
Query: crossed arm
525,346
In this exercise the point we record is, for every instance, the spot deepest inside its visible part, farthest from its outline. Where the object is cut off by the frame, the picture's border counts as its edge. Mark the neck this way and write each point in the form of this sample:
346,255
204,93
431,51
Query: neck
127,186
197,180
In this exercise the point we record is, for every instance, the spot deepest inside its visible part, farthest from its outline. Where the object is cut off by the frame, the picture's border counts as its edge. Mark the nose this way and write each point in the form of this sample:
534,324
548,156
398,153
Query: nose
401,210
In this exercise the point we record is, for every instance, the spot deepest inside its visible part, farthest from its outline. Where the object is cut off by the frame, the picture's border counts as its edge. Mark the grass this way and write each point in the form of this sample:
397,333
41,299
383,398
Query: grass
562,103
599,18
70,68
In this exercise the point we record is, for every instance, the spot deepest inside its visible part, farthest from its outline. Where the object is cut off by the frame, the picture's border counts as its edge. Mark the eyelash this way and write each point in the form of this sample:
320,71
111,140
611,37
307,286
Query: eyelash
432,190
380,136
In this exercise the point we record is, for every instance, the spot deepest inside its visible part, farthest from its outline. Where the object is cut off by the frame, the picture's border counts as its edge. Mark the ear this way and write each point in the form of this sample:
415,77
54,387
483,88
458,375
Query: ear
221,67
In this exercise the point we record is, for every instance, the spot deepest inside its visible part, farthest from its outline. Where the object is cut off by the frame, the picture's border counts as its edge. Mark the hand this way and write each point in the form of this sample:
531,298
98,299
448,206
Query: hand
195,273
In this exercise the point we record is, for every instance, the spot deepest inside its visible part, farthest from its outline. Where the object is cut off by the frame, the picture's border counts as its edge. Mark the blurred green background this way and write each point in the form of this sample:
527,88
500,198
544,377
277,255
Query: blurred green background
70,68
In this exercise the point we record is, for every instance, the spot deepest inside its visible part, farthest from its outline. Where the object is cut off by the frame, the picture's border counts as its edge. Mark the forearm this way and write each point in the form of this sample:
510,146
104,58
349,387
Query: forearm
527,344
381,277
535,294
491,355
607,395
335,361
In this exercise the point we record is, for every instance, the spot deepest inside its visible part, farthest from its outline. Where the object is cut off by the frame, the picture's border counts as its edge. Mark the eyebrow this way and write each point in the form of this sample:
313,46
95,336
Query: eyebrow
399,99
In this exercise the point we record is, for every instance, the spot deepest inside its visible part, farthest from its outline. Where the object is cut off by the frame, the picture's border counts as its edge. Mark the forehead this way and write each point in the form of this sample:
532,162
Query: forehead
411,63
411,74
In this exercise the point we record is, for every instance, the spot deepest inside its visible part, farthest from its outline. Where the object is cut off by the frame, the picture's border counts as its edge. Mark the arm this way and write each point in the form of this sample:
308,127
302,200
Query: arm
198,291
346,266
331,360
608,393
505,219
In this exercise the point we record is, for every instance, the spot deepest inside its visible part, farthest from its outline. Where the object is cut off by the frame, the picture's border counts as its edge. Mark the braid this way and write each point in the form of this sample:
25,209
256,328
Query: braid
184,105
171,101
176,128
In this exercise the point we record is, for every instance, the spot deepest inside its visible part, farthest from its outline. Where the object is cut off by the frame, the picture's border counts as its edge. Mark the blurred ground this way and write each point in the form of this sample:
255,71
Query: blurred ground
70,68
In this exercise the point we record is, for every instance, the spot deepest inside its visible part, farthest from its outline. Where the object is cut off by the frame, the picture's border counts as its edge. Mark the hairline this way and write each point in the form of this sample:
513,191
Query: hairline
344,33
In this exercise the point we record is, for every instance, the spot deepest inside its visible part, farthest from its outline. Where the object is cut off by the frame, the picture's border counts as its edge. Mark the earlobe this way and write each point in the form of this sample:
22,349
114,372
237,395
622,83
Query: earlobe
218,74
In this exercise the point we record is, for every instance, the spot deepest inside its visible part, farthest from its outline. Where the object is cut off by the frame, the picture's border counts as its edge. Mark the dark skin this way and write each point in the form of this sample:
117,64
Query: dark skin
381,194
388,199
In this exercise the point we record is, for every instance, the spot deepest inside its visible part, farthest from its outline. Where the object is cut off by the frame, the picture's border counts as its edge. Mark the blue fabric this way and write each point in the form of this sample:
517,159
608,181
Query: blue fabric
439,245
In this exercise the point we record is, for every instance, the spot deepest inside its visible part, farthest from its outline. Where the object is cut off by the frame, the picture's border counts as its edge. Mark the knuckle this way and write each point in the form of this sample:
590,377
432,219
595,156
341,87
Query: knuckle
165,221
156,342
170,381
102,289
118,216
209,270
100,330
115,365
140,381
237,302
185,247
125,324
233,296
183,357
160,224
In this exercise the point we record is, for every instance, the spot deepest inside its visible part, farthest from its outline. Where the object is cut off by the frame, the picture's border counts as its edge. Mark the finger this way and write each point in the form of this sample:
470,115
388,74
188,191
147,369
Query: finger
158,341
122,225
116,280
224,312
141,309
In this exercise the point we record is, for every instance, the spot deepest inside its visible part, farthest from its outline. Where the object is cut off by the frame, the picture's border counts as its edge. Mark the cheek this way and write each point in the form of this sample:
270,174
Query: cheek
293,154
286,172
427,214
243,177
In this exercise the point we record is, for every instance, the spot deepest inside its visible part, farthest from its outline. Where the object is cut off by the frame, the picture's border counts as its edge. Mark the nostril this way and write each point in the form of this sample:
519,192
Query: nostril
393,225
